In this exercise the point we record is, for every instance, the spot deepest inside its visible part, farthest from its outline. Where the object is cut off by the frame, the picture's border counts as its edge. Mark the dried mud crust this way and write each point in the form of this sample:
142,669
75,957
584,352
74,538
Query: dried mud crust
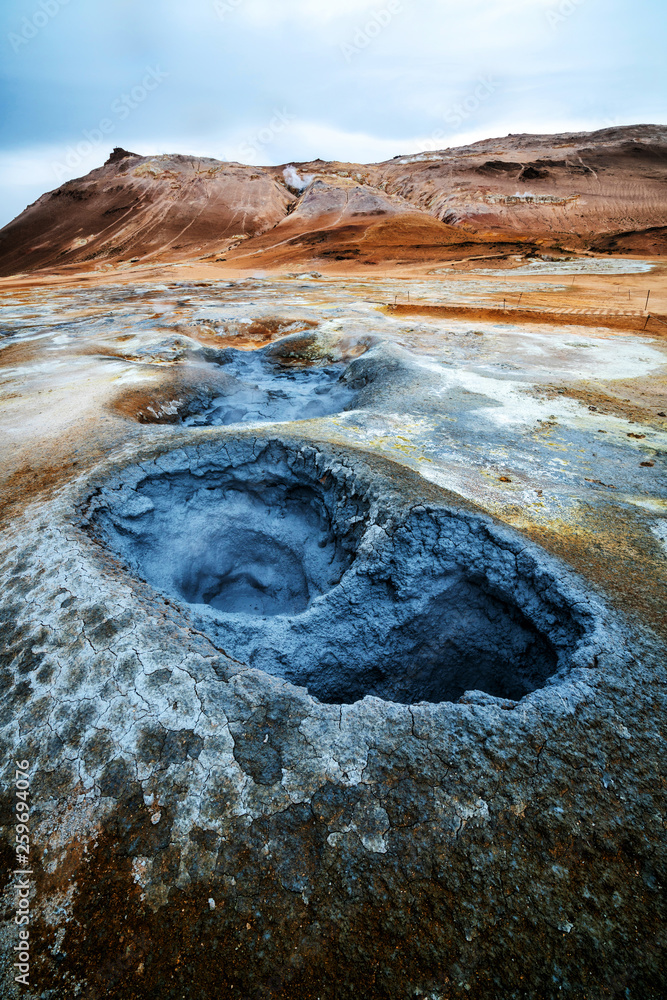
201,828
293,566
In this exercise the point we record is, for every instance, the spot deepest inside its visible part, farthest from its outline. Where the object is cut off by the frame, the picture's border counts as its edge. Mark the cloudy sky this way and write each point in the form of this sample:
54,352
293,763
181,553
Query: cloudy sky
271,81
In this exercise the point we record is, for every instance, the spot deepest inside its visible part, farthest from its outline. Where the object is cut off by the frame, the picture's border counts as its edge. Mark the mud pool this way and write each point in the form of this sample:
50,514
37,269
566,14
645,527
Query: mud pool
262,389
295,568
328,630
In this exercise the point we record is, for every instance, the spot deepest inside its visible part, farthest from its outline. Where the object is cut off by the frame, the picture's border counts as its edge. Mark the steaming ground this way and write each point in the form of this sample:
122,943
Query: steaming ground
521,195
263,390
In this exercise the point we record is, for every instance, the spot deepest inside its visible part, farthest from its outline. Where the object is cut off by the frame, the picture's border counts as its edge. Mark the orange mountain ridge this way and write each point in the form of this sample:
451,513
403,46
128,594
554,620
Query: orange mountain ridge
601,191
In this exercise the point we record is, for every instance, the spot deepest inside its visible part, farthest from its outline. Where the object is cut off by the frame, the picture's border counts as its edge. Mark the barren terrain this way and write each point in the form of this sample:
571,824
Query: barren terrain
602,191
333,563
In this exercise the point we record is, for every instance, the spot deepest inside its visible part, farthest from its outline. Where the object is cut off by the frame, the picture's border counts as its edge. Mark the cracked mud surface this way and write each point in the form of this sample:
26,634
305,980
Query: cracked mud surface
207,822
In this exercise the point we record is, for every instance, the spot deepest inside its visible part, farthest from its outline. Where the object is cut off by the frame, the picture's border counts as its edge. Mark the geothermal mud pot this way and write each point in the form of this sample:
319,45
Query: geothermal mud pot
306,725
302,722
261,389
300,571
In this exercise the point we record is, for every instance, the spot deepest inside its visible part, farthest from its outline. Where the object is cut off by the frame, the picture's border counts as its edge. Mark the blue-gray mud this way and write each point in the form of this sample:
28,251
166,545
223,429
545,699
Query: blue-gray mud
210,820
296,568
261,389
300,722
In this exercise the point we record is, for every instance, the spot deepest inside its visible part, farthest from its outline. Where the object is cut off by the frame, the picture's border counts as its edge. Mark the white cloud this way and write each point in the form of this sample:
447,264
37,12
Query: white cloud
399,92
313,140
478,13
268,11
29,167
535,125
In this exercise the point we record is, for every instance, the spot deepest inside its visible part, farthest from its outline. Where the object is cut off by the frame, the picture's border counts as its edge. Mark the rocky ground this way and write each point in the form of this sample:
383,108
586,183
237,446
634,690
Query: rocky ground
602,191
334,626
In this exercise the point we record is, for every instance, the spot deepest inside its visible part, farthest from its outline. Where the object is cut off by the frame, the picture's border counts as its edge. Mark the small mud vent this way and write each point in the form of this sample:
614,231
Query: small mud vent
262,388
337,576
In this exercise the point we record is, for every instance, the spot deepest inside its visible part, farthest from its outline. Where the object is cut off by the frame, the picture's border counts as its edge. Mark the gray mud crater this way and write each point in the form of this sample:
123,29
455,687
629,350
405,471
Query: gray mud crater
261,388
296,565
201,825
